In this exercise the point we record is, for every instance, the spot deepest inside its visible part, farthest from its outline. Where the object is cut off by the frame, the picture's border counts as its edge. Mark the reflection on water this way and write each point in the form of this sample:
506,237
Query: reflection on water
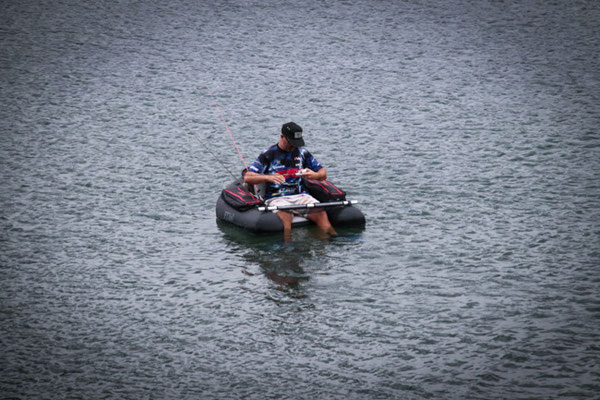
283,262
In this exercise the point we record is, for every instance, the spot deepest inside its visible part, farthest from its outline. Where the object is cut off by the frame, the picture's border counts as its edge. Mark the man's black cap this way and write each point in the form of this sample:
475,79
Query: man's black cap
293,134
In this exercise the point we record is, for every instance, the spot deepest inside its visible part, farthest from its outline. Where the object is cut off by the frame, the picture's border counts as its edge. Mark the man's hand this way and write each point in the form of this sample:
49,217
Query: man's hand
310,174
307,173
276,178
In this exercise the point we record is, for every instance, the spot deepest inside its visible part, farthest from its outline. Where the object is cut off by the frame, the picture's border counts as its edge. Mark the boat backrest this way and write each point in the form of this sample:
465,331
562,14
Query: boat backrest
260,190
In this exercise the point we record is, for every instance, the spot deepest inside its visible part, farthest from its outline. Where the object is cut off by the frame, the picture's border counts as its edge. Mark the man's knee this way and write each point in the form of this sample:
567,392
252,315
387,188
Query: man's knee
285,216
318,216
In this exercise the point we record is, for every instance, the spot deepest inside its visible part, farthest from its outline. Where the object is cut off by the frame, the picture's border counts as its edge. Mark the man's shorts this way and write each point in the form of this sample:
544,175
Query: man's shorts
302,198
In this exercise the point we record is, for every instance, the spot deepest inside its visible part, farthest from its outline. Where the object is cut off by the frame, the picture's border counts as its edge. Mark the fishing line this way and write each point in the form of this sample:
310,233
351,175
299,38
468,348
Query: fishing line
230,135
227,127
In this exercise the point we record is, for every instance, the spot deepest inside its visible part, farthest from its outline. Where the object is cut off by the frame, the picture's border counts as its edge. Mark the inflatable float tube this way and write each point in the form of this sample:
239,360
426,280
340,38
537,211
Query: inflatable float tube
259,220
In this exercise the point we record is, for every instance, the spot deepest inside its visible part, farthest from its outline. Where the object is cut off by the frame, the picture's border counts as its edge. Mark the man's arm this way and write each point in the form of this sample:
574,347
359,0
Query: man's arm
253,178
320,175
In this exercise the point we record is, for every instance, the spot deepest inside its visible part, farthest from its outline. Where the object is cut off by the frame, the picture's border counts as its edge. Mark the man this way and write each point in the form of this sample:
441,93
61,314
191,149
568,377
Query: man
282,167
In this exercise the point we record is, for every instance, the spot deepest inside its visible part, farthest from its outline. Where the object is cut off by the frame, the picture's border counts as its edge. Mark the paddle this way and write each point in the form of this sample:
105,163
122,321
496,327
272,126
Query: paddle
312,205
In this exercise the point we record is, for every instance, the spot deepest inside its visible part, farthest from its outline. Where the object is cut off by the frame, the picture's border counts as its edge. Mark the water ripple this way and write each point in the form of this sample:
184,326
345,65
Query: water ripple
467,132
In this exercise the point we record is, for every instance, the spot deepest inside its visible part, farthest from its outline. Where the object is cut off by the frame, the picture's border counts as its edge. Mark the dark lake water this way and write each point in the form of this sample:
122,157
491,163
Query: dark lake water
468,131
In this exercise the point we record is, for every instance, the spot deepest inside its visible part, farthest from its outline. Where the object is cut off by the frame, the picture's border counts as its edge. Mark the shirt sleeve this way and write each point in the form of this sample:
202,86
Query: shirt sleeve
311,162
259,165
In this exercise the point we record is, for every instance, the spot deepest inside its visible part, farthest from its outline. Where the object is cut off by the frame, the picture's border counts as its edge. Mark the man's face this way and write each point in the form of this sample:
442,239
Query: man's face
287,144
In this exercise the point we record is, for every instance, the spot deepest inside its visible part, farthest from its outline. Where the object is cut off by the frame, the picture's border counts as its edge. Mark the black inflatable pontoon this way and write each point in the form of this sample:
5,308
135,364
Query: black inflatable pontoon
260,219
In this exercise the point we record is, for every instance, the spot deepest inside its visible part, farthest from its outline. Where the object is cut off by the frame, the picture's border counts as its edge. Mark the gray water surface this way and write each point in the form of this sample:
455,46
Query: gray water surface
467,130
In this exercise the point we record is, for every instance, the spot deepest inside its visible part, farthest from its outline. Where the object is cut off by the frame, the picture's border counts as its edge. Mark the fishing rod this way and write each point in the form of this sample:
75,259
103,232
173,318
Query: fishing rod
230,135
309,205
216,158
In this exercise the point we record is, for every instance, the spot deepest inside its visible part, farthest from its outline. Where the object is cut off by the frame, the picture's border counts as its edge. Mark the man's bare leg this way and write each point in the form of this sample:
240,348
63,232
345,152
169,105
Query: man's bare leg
320,218
286,219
